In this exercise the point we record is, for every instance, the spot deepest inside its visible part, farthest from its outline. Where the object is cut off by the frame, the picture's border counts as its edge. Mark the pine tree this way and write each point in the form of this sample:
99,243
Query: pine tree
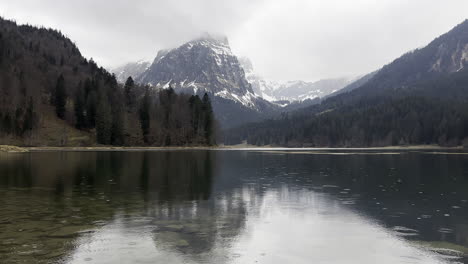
91,105
195,109
167,99
129,89
60,97
145,115
117,131
2,49
30,117
208,119
79,108
103,121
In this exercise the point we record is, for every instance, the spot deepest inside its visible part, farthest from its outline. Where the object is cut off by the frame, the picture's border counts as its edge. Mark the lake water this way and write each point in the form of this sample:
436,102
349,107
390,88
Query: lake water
234,206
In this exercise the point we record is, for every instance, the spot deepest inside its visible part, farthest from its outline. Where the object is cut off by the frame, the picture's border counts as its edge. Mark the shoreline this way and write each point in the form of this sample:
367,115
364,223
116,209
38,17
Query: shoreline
16,149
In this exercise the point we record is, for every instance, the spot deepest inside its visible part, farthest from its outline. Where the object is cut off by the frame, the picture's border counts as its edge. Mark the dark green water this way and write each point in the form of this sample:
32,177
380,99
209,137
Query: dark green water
234,206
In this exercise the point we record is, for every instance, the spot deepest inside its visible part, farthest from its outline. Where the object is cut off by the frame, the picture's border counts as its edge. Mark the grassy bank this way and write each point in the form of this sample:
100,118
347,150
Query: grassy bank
7,148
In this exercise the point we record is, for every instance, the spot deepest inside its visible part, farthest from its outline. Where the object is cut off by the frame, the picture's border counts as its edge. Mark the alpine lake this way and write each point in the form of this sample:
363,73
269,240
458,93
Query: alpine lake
234,206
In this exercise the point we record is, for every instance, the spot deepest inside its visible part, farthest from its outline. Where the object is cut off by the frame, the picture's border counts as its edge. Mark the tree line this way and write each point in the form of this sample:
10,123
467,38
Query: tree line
429,112
47,87
136,115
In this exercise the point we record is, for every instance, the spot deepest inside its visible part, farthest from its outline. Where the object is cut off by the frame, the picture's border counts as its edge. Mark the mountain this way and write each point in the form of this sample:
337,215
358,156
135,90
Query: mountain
444,55
207,64
419,98
358,82
301,90
260,86
290,91
132,69
50,95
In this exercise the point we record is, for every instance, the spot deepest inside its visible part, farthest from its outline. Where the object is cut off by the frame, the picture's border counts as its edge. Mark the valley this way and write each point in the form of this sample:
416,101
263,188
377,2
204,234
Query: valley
417,99
233,132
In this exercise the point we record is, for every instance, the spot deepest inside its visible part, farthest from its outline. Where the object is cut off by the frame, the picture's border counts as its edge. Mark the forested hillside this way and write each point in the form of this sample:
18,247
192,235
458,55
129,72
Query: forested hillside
51,95
420,98
434,112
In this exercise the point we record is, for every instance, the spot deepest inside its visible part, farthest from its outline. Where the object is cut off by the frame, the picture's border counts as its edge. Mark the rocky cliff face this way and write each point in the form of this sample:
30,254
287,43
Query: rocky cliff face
206,64
261,87
451,50
133,69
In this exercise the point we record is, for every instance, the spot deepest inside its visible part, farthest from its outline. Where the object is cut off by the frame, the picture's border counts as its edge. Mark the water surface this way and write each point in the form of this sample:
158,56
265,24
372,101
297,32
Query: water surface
234,206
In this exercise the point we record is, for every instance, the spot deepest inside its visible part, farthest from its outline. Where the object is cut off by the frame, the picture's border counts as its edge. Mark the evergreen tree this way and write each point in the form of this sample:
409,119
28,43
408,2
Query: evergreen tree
91,105
195,109
60,97
1,47
88,86
129,89
117,132
103,121
79,108
208,119
145,115
30,116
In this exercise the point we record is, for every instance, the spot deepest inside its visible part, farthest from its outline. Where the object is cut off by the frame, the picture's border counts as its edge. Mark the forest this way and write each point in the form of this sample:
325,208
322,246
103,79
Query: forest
51,95
428,112
420,98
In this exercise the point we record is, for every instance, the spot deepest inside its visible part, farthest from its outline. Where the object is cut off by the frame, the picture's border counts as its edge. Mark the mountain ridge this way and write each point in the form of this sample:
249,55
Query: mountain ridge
130,69
292,91
50,95
207,64
418,98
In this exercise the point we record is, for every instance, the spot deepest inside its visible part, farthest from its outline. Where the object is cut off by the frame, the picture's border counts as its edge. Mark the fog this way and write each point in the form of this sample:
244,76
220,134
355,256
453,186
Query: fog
286,40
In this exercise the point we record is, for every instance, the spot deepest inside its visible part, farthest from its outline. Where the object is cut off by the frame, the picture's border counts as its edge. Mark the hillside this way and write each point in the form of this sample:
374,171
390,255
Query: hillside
51,95
31,60
420,98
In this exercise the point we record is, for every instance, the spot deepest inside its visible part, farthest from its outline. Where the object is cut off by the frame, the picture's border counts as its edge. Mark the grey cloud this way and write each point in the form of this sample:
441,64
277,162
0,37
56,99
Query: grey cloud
286,39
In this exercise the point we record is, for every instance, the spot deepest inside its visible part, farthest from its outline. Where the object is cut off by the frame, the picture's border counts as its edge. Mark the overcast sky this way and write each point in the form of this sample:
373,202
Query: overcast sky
285,39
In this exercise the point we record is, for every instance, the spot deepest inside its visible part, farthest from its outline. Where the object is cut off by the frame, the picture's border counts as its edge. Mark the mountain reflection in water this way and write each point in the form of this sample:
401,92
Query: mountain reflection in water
232,207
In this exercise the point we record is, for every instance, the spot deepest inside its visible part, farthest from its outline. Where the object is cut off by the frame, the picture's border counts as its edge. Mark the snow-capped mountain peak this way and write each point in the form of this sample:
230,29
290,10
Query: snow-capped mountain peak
203,64
291,91
132,69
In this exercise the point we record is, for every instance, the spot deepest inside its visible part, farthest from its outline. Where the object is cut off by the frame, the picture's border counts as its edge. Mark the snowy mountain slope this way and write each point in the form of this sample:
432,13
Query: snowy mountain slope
260,86
204,64
291,91
133,69
301,90
207,64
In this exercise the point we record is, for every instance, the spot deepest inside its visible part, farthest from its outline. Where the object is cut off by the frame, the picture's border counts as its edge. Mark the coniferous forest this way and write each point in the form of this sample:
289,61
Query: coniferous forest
428,112
51,95
420,98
